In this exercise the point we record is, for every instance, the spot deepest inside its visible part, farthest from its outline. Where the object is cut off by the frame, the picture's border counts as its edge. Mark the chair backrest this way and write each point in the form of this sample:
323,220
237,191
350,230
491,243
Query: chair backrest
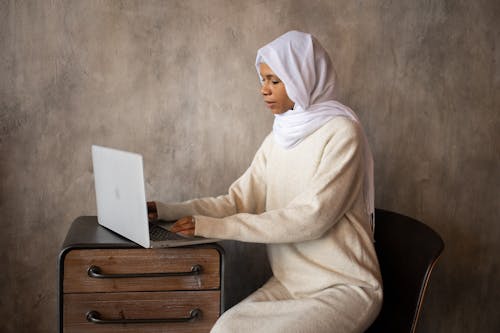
407,251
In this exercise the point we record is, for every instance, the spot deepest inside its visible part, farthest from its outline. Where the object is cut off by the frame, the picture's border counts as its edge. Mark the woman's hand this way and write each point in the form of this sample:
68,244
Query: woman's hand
185,226
152,211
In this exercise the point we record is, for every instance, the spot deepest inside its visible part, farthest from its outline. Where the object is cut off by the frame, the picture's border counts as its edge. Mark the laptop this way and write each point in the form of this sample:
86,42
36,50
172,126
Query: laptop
121,201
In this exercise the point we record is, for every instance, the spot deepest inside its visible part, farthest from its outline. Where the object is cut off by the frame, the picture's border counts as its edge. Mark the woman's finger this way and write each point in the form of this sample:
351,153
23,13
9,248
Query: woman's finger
184,226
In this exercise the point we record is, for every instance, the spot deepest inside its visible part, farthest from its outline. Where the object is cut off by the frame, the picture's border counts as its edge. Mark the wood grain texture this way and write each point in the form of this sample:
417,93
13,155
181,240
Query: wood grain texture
172,260
141,305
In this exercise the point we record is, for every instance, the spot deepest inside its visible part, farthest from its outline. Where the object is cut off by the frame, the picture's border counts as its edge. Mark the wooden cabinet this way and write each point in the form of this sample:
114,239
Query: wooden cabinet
108,284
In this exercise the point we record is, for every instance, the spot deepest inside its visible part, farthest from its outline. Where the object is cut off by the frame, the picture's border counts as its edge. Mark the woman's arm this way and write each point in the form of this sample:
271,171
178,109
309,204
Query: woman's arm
333,190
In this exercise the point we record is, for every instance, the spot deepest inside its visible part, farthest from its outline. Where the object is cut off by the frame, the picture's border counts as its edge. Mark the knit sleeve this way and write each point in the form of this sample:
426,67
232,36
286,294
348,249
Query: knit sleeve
246,195
332,191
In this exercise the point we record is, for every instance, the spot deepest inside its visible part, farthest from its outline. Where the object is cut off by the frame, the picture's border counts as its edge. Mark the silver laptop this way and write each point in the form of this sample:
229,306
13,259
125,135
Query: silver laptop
121,201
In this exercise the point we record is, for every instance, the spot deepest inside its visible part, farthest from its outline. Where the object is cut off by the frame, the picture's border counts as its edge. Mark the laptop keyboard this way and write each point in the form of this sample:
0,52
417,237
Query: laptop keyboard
157,233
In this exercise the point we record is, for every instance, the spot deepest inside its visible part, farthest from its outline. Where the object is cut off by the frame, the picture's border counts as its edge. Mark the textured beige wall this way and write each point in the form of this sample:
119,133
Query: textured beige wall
174,80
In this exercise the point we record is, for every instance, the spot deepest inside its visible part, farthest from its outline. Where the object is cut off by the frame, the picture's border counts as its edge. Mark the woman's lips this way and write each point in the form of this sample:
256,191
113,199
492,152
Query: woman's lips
269,104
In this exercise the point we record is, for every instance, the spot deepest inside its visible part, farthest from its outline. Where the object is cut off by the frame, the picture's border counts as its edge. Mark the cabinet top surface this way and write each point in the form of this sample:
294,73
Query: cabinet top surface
86,233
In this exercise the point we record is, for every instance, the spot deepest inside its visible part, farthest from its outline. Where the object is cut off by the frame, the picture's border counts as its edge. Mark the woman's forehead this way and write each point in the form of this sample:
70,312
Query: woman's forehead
265,70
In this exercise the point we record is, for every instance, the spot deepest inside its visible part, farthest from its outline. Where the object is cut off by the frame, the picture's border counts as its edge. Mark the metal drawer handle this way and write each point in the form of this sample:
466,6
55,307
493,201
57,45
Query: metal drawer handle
95,317
95,272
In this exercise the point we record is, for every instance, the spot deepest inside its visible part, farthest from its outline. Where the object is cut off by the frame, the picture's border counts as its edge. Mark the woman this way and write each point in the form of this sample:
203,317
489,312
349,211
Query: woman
308,194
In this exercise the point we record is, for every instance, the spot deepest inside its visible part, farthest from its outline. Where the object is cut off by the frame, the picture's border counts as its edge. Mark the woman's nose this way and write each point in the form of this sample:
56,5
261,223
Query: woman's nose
264,90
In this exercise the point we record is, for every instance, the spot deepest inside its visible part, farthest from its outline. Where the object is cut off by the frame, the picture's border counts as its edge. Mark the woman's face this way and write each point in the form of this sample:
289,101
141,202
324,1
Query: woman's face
274,92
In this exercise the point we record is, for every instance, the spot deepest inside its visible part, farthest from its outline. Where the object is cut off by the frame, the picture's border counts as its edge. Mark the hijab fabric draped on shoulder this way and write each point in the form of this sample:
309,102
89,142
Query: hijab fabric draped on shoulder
305,68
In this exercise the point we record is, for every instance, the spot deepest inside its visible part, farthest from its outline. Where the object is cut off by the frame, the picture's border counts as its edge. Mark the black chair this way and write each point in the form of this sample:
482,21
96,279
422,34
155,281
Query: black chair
407,251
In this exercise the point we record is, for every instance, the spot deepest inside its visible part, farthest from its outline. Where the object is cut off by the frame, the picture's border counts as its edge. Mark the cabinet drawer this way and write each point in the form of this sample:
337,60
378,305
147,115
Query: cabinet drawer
118,270
147,306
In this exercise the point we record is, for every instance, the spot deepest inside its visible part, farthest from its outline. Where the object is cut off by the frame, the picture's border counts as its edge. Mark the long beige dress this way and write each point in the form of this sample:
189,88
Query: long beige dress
307,204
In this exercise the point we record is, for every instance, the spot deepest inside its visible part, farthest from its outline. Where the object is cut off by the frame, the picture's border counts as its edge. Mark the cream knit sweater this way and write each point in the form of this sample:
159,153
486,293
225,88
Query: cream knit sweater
306,203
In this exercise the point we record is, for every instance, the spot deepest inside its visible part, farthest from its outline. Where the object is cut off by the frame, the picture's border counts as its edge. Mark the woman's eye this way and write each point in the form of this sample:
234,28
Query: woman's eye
275,82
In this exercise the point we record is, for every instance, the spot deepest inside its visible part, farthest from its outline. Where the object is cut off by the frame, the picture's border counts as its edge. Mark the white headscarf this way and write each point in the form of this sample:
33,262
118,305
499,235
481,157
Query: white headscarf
305,68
